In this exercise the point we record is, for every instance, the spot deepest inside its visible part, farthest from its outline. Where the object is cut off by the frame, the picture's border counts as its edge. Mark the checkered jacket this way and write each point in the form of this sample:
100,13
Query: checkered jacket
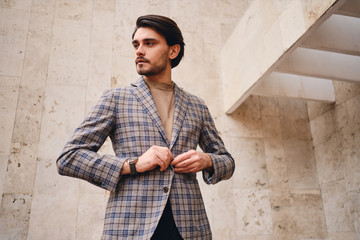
130,118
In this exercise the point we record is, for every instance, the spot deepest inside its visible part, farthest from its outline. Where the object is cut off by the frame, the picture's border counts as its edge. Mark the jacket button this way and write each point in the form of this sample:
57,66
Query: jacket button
166,189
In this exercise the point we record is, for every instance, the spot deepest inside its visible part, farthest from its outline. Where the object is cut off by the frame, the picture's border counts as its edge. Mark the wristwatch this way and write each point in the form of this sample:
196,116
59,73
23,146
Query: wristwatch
132,162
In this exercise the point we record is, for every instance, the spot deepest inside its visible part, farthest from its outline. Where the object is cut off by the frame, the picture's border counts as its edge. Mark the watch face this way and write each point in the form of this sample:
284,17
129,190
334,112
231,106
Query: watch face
132,163
132,160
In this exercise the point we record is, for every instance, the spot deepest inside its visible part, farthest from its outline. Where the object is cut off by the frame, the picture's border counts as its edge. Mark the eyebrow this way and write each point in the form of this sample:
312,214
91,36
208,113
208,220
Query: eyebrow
146,40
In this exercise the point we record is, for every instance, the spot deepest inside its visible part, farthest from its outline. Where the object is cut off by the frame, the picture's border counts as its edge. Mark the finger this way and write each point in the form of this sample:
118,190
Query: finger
167,157
185,163
164,152
161,164
181,157
164,157
188,169
170,155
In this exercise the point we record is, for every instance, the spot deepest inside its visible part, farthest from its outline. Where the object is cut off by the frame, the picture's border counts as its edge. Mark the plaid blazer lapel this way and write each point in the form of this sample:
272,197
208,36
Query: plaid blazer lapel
143,95
181,103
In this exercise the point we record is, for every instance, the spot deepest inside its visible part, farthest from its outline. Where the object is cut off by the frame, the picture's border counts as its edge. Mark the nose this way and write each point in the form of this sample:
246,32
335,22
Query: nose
140,51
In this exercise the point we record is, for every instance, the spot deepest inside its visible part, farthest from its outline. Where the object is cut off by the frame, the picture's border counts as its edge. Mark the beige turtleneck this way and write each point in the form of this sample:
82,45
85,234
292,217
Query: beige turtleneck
163,95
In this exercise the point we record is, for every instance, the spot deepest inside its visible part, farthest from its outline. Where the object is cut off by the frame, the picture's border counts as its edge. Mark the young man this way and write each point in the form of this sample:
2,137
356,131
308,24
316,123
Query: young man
155,128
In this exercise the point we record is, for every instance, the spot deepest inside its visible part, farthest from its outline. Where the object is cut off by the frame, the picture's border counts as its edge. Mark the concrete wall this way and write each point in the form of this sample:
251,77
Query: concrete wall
56,58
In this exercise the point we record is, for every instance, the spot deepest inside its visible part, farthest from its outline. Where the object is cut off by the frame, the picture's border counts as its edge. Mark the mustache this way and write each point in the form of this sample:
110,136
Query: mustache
141,59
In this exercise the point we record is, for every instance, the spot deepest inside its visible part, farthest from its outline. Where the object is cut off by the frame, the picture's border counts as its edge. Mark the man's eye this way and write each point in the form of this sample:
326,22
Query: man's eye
135,46
149,44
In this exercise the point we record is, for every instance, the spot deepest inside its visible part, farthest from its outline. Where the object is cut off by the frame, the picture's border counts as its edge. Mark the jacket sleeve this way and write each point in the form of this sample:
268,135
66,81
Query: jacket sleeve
211,143
80,159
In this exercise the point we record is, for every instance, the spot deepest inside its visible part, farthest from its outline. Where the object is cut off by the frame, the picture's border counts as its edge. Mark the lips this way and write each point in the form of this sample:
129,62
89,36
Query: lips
141,60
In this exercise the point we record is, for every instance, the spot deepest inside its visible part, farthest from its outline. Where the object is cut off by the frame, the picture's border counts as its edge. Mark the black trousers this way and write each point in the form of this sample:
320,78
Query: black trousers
166,229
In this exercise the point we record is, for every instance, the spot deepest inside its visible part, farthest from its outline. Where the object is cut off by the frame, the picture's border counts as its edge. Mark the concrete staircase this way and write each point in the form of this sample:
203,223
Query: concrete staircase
295,53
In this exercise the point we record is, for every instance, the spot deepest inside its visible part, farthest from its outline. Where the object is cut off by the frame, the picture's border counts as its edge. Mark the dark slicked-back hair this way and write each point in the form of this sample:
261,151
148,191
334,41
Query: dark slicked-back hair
167,28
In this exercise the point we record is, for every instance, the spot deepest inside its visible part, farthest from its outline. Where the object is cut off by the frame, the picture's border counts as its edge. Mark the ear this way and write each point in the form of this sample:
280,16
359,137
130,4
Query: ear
174,51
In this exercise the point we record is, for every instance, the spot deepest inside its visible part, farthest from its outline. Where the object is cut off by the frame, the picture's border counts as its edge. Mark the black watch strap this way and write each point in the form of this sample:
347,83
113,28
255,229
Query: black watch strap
132,163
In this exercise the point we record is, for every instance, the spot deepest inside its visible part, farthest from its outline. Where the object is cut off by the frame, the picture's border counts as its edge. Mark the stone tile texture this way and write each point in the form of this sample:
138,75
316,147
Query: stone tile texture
335,130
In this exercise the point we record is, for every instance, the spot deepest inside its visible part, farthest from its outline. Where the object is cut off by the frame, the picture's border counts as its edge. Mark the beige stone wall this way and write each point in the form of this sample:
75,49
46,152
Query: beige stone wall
56,58
275,192
336,139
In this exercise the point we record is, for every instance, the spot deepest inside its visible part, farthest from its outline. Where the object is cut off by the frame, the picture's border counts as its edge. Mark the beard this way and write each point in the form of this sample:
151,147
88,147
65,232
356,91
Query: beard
154,68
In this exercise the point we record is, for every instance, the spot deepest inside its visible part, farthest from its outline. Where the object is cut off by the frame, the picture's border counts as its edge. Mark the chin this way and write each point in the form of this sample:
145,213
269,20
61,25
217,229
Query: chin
145,72
141,72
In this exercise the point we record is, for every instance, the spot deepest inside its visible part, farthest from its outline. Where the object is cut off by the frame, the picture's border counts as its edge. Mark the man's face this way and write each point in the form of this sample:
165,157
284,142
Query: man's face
152,52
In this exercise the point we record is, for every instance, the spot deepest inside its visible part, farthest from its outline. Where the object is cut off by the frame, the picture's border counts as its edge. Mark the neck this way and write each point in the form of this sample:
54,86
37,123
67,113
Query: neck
163,77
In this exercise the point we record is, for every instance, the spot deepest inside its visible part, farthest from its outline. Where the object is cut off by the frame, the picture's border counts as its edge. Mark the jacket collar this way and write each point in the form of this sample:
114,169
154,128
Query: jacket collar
143,95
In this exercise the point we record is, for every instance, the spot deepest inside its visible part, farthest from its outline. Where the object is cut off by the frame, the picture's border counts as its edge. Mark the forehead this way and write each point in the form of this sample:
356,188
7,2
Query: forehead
147,33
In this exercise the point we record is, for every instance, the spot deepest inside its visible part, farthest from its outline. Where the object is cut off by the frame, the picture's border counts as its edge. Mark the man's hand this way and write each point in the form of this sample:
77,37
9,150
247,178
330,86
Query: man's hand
153,157
192,161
